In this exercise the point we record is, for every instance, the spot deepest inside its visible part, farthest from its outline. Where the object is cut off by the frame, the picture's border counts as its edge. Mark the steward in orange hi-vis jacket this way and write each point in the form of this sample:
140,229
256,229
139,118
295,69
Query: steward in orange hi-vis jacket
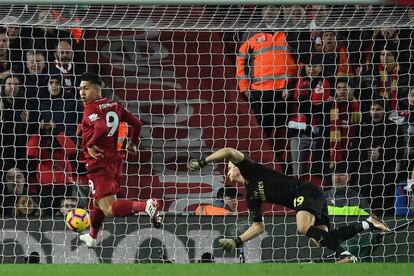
265,63
266,73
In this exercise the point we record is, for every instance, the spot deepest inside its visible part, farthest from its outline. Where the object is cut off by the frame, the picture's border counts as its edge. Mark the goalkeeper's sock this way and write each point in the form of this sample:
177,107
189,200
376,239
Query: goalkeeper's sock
324,238
97,218
123,208
346,232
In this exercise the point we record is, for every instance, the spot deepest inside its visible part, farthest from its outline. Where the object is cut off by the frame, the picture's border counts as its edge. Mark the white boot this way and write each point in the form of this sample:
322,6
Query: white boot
90,242
152,210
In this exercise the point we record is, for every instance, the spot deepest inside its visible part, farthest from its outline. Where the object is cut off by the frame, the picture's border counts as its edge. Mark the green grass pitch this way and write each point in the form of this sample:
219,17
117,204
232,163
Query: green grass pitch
359,269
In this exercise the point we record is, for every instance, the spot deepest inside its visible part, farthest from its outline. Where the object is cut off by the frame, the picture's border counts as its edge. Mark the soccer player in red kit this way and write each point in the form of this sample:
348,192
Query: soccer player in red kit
100,124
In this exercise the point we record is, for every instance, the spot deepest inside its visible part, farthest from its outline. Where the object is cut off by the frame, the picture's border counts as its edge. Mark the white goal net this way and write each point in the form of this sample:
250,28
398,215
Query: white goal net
322,93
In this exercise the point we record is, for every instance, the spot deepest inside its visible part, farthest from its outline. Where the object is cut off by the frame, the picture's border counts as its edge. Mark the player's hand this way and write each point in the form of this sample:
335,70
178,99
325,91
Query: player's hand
228,244
132,148
95,151
195,165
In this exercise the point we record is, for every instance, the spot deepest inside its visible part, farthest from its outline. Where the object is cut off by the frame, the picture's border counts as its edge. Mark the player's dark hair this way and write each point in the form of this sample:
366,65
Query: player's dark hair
92,78
3,30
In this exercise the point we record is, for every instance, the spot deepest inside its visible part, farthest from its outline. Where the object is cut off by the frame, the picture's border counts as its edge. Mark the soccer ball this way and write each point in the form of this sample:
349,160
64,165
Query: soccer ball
78,220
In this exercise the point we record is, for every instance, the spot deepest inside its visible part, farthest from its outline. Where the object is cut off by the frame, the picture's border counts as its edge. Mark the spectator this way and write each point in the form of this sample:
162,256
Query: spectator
65,113
13,121
26,207
408,127
310,101
9,62
336,57
15,185
35,82
374,41
341,198
67,204
226,203
52,149
266,70
299,41
381,146
392,78
294,15
70,70
19,41
36,77
47,37
345,117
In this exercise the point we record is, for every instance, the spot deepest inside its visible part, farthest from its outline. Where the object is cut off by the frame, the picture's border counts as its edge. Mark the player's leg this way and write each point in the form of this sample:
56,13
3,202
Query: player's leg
97,218
305,224
113,207
309,205
372,223
104,187
313,221
121,208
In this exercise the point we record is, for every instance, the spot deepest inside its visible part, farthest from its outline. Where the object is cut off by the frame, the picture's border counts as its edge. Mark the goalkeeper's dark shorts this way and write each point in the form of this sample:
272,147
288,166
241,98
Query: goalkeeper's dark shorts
310,198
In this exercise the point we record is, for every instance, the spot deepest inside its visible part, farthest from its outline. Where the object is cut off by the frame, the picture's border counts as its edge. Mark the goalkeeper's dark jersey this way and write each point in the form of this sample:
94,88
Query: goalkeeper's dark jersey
266,185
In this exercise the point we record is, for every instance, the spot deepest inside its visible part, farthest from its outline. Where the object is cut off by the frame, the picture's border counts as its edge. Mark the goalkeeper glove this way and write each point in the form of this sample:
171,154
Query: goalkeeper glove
195,165
230,244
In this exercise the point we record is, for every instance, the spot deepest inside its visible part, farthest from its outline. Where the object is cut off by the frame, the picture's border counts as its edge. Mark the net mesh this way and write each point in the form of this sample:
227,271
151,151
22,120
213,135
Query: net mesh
200,79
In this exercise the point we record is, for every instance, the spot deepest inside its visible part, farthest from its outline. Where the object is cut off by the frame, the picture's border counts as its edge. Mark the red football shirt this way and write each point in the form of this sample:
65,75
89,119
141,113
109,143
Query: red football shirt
101,119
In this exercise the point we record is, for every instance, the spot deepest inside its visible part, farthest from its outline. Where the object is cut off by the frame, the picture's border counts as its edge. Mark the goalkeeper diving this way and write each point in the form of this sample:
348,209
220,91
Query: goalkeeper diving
264,185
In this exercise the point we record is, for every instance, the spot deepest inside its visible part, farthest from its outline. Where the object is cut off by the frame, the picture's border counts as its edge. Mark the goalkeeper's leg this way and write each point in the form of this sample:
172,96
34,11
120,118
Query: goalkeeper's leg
372,223
332,239
305,223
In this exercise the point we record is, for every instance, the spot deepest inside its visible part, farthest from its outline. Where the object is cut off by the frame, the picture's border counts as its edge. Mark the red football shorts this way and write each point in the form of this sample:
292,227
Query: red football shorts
104,181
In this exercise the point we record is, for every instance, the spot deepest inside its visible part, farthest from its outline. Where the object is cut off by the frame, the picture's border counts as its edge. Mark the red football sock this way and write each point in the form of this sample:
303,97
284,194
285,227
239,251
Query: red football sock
97,218
123,208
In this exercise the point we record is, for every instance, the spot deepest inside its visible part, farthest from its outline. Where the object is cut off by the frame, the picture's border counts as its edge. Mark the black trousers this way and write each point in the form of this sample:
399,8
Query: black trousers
270,109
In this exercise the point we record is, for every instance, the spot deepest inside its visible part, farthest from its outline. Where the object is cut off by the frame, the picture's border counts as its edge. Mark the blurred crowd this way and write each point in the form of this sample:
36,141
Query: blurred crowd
40,69
327,98
329,102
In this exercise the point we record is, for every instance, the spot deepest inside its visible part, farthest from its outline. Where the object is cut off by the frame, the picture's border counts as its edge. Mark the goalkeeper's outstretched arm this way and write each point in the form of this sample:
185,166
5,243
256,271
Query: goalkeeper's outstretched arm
231,245
230,154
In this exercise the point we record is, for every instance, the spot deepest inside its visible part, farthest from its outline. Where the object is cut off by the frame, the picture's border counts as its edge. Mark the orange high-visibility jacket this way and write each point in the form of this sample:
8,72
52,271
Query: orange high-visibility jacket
210,210
122,134
265,63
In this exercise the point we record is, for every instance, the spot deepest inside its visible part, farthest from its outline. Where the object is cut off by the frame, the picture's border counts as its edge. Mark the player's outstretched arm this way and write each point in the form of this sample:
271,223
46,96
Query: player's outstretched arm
255,230
230,154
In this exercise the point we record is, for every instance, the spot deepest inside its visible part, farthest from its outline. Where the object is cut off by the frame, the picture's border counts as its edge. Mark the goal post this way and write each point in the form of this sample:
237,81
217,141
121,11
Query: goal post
207,2
179,69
